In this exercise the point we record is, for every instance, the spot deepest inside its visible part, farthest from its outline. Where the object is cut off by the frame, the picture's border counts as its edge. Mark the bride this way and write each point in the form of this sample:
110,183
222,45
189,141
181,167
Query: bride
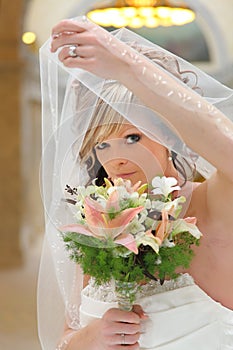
119,106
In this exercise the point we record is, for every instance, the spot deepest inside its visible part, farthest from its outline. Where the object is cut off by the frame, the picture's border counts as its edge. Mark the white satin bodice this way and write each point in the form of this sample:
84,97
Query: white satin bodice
181,315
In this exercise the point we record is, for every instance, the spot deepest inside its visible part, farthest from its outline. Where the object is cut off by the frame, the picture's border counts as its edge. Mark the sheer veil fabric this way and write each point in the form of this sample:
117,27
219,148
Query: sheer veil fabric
70,98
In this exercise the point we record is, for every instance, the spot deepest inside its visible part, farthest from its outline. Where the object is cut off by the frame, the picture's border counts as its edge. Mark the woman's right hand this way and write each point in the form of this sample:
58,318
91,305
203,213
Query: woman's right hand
116,330
119,330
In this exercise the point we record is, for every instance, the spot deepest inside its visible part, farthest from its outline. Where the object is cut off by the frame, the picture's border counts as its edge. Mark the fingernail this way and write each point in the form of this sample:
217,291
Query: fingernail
84,19
56,35
144,315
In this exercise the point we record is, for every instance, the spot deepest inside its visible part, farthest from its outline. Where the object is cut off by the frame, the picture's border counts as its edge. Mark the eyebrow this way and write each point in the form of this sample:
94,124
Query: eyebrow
122,134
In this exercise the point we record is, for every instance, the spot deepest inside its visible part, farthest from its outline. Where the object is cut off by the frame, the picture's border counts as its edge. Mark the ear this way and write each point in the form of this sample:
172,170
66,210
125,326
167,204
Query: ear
170,169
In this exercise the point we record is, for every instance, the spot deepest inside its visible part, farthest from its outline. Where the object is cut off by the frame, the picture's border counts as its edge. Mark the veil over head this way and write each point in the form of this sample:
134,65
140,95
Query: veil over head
74,104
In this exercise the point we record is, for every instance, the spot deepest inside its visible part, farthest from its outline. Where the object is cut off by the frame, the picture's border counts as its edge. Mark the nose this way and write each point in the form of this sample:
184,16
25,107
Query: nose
113,155
117,162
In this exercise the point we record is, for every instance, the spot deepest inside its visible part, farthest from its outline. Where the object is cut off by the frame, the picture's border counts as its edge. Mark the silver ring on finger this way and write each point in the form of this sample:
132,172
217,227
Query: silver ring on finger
72,51
122,338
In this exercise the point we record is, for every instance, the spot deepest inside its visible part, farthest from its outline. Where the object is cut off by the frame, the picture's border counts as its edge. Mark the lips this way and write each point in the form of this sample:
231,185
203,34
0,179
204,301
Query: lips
125,175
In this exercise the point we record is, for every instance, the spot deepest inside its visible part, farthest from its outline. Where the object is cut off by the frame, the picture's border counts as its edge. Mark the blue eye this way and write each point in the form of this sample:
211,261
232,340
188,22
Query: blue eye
133,138
102,145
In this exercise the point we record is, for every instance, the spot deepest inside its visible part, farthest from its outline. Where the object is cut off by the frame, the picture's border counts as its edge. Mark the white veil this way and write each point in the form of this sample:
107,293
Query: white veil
69,100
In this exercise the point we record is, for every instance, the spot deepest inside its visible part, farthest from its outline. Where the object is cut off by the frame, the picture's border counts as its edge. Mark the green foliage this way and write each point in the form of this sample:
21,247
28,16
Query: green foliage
106,260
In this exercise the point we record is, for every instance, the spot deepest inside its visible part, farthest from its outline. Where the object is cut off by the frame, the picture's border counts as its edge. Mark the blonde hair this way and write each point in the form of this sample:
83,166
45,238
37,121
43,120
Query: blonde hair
105,118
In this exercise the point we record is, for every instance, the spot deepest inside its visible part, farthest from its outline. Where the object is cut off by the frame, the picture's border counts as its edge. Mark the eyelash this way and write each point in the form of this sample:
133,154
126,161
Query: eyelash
104,145
100,147
138,138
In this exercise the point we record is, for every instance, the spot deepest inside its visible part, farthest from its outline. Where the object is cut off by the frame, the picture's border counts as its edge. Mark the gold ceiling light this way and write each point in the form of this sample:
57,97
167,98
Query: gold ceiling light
139,13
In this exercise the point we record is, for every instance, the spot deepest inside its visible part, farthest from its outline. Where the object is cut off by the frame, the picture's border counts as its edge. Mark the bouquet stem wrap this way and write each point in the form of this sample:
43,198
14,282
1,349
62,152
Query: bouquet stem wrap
126,294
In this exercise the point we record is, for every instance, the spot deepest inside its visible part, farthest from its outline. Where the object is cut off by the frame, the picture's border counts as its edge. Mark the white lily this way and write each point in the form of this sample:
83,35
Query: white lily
186,225
164,185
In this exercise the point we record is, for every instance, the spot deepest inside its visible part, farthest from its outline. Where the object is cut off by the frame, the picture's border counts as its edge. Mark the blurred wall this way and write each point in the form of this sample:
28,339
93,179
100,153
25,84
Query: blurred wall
10,174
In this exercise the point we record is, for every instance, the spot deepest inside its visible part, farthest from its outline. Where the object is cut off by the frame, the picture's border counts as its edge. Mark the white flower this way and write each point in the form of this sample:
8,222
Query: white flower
102,202
168,244
134,195
164,185
173,207
79,217
142,200
146,238
186,225
134,227
158,205
147,204
143,216
121,190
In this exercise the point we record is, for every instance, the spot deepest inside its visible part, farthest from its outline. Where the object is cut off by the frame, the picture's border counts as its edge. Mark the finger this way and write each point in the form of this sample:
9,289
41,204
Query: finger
117,315
129,339
139,311
68,25
128,347
122,340
127,328
80,62
80,51
125,339
73,38
64,39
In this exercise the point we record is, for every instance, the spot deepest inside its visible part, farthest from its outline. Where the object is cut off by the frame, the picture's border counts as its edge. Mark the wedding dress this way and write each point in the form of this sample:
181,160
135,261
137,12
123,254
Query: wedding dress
180,315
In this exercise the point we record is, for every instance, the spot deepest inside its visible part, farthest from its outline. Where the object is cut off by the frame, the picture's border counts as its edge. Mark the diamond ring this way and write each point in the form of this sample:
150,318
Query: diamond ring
72,51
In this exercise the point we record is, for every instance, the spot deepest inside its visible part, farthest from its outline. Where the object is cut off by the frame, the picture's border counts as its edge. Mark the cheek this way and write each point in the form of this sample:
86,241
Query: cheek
107,167
104,160
154,160
148,158
109,153
102,156
159,154
151,156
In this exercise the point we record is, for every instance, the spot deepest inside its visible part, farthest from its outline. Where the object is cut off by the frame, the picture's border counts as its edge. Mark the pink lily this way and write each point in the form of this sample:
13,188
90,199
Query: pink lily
127,240
156,240
99,225
113,202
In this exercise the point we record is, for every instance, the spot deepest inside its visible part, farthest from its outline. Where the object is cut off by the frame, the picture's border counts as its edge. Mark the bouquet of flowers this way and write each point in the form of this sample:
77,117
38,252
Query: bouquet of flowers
130,234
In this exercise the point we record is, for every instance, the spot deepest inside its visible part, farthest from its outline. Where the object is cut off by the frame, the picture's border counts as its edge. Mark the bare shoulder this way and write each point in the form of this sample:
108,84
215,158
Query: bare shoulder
215,198
212,203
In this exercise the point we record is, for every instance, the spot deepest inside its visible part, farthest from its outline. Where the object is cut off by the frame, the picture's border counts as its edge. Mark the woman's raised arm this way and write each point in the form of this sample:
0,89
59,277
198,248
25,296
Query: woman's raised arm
202,127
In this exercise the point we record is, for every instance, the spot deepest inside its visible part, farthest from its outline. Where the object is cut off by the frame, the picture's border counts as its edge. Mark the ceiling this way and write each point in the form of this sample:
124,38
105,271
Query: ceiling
208,42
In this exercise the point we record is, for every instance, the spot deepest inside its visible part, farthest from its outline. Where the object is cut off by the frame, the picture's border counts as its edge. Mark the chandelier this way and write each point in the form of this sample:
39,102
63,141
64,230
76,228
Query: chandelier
139,13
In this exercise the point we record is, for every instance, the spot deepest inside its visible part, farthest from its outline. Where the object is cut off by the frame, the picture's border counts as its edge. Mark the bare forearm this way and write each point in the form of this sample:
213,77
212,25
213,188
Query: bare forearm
202,127
195,120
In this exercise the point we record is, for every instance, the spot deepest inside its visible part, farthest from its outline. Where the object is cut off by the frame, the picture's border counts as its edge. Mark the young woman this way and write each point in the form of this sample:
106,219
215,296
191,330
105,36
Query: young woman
143,126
